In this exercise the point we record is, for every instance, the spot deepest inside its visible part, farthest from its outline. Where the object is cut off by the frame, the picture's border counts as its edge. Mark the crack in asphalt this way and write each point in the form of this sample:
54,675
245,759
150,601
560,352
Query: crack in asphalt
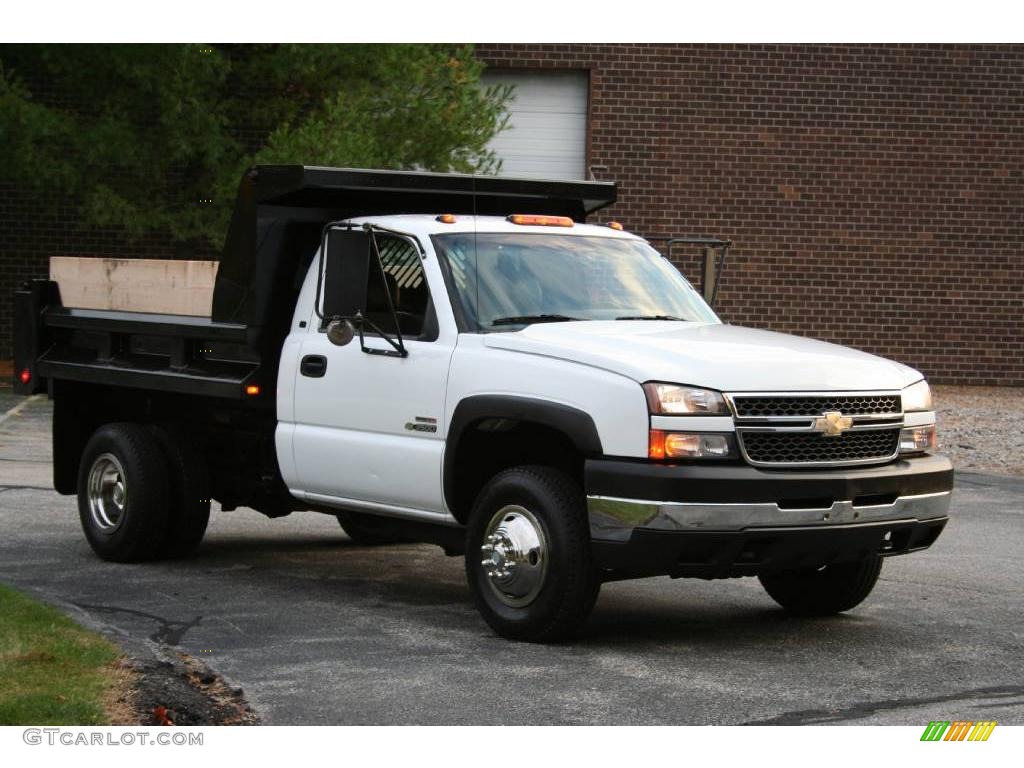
866,709
168,633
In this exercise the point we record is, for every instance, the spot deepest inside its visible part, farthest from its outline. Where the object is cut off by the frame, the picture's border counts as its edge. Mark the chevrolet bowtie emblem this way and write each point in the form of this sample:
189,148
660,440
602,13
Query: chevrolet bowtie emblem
832,423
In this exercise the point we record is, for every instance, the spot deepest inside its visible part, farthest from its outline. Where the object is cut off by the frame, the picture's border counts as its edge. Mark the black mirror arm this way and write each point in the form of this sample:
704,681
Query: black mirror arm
400,345
398,350
371,228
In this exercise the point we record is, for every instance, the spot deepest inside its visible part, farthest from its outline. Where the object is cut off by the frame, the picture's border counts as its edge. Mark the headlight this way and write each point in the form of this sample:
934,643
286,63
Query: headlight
680,400
917,397
690,445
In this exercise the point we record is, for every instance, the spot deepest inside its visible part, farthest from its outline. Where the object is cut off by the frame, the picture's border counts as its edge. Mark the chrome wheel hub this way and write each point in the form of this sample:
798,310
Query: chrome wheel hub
108,494
514,556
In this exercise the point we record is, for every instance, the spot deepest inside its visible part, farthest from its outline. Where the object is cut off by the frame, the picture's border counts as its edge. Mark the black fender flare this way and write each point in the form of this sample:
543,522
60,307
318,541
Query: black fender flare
575,424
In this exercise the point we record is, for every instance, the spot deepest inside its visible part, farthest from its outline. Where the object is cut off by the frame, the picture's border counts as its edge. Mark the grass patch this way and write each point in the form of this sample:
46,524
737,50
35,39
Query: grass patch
52,671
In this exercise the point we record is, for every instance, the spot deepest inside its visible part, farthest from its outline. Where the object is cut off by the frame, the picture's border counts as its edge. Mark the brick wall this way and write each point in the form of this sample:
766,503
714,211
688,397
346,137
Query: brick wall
874,193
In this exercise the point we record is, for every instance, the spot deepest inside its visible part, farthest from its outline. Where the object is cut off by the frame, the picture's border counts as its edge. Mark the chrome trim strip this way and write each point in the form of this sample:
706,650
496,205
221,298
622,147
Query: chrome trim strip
613,519
894,418
746,426
918,418
692,423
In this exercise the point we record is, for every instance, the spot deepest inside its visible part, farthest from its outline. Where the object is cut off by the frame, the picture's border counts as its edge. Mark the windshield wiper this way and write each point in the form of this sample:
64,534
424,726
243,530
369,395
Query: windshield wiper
652,317
527,319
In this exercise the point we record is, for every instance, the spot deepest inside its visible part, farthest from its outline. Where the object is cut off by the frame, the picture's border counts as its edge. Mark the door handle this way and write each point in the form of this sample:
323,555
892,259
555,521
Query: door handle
314,366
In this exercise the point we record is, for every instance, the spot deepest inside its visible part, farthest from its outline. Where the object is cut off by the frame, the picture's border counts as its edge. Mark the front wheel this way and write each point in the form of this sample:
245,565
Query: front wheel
528,555
823,591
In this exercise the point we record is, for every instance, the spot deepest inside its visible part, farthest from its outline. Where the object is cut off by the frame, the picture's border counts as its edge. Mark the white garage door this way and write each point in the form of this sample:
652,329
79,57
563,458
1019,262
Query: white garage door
547,132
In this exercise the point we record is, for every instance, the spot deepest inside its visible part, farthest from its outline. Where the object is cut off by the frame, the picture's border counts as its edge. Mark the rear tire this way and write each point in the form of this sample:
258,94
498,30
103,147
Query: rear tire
528,558
188,483
830,590
122,493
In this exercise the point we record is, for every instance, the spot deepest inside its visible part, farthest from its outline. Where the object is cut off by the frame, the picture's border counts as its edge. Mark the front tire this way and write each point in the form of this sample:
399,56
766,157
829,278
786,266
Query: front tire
122,493
825,591
528,559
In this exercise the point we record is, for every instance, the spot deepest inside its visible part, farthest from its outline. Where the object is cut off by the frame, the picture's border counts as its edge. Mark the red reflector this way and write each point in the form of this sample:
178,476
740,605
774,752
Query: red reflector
25,376
540,221
252,390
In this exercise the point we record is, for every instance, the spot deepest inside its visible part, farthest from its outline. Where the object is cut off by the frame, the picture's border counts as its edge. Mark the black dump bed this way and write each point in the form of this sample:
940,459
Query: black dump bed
275,230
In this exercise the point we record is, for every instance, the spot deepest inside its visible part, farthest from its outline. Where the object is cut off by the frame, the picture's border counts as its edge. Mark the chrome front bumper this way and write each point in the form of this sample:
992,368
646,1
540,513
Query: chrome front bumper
614,519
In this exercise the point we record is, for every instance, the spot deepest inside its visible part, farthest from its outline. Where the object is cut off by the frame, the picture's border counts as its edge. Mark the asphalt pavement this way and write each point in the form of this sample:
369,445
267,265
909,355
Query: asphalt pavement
317,630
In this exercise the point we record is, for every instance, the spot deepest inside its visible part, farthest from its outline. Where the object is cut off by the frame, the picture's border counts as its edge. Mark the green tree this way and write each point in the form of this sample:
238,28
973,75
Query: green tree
143,136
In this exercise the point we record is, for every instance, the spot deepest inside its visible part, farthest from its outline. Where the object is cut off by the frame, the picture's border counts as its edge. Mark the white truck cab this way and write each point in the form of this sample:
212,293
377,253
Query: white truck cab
550,398
549,359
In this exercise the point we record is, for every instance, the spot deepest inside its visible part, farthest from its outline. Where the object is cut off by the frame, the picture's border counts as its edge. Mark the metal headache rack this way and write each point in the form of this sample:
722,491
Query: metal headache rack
715,251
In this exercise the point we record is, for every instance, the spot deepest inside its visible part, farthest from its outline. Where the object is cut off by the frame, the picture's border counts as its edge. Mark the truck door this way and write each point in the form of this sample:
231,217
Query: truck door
366,425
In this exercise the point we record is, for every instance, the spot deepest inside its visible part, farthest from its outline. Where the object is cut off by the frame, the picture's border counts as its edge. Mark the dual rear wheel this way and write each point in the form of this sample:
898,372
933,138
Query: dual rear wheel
143,493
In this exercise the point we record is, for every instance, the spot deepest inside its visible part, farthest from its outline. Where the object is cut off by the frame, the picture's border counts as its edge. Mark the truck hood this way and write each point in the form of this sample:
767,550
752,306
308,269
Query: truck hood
725,357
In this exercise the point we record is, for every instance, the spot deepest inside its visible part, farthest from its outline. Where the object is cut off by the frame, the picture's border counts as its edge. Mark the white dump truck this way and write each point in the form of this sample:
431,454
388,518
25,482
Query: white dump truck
461,360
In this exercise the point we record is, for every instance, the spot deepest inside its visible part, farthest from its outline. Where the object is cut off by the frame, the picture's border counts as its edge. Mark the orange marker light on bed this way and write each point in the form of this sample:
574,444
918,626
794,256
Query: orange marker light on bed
252,390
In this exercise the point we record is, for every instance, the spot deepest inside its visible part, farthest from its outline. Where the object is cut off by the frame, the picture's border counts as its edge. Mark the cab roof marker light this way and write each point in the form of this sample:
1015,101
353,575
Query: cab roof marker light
447,218
615,225
533,220
252,390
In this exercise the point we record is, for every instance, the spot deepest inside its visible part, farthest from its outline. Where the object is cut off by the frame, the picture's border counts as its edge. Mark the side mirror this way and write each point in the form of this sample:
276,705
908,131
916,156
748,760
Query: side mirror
340,332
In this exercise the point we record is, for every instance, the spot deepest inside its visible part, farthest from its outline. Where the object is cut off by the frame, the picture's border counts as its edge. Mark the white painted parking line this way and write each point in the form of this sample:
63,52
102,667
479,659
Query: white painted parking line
20,407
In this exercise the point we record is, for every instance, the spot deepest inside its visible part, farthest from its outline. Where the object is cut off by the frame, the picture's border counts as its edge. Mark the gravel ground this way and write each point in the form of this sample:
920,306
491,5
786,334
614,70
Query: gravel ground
981,428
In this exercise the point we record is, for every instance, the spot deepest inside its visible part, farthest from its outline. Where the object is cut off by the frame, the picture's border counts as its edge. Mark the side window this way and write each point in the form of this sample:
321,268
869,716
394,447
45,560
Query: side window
353,282
403,275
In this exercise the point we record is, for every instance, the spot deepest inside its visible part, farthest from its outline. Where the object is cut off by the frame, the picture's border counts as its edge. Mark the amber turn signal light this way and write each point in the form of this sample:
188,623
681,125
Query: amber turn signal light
540,221
656,445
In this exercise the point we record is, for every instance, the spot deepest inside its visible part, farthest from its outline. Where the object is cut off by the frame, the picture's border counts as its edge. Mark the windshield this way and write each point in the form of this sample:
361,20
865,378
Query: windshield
503,282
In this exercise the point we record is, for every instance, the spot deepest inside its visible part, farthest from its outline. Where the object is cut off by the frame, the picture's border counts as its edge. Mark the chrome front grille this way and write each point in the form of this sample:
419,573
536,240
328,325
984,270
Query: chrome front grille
768,406
788,448
791,429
